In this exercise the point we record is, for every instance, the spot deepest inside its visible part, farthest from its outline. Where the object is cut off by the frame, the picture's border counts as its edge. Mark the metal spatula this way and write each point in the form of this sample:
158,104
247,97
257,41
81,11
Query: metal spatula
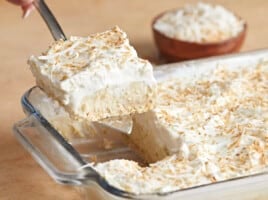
50,20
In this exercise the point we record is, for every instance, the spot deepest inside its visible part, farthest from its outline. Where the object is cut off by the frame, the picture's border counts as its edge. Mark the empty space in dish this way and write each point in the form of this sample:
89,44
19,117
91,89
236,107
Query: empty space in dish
107,145
101,143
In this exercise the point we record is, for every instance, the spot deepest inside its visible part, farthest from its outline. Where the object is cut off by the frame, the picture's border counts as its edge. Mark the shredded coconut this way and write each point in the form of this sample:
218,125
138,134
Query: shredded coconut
202,23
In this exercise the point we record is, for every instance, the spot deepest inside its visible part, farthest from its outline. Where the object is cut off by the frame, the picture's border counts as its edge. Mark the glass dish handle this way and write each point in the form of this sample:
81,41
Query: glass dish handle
58,160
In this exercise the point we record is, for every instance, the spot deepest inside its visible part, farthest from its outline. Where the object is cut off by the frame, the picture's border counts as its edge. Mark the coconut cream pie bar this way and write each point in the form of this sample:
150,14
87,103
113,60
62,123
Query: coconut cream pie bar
215,110
96,77
204,129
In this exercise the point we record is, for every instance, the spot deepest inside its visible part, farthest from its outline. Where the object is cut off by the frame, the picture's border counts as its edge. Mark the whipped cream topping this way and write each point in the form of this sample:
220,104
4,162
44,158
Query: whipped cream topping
221,121
200,23
73,70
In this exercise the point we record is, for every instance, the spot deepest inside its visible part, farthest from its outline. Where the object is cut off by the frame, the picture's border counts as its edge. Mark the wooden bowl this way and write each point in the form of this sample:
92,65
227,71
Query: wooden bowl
174,50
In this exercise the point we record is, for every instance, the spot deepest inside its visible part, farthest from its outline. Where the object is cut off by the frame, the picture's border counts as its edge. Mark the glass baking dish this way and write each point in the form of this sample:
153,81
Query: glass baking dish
68,162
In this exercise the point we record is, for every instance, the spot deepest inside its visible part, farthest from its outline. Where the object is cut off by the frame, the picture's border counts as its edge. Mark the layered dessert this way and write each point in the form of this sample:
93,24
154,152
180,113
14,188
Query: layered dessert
198,129
209,127
200,23
74,128
210,110
58,117
96,77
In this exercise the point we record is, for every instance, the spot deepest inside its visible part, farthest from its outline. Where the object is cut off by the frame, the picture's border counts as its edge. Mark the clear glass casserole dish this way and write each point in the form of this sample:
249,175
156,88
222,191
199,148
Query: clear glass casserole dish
67,162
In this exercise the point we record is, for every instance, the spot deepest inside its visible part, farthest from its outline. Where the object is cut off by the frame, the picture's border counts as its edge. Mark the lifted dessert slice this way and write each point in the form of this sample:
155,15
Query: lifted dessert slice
96,77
